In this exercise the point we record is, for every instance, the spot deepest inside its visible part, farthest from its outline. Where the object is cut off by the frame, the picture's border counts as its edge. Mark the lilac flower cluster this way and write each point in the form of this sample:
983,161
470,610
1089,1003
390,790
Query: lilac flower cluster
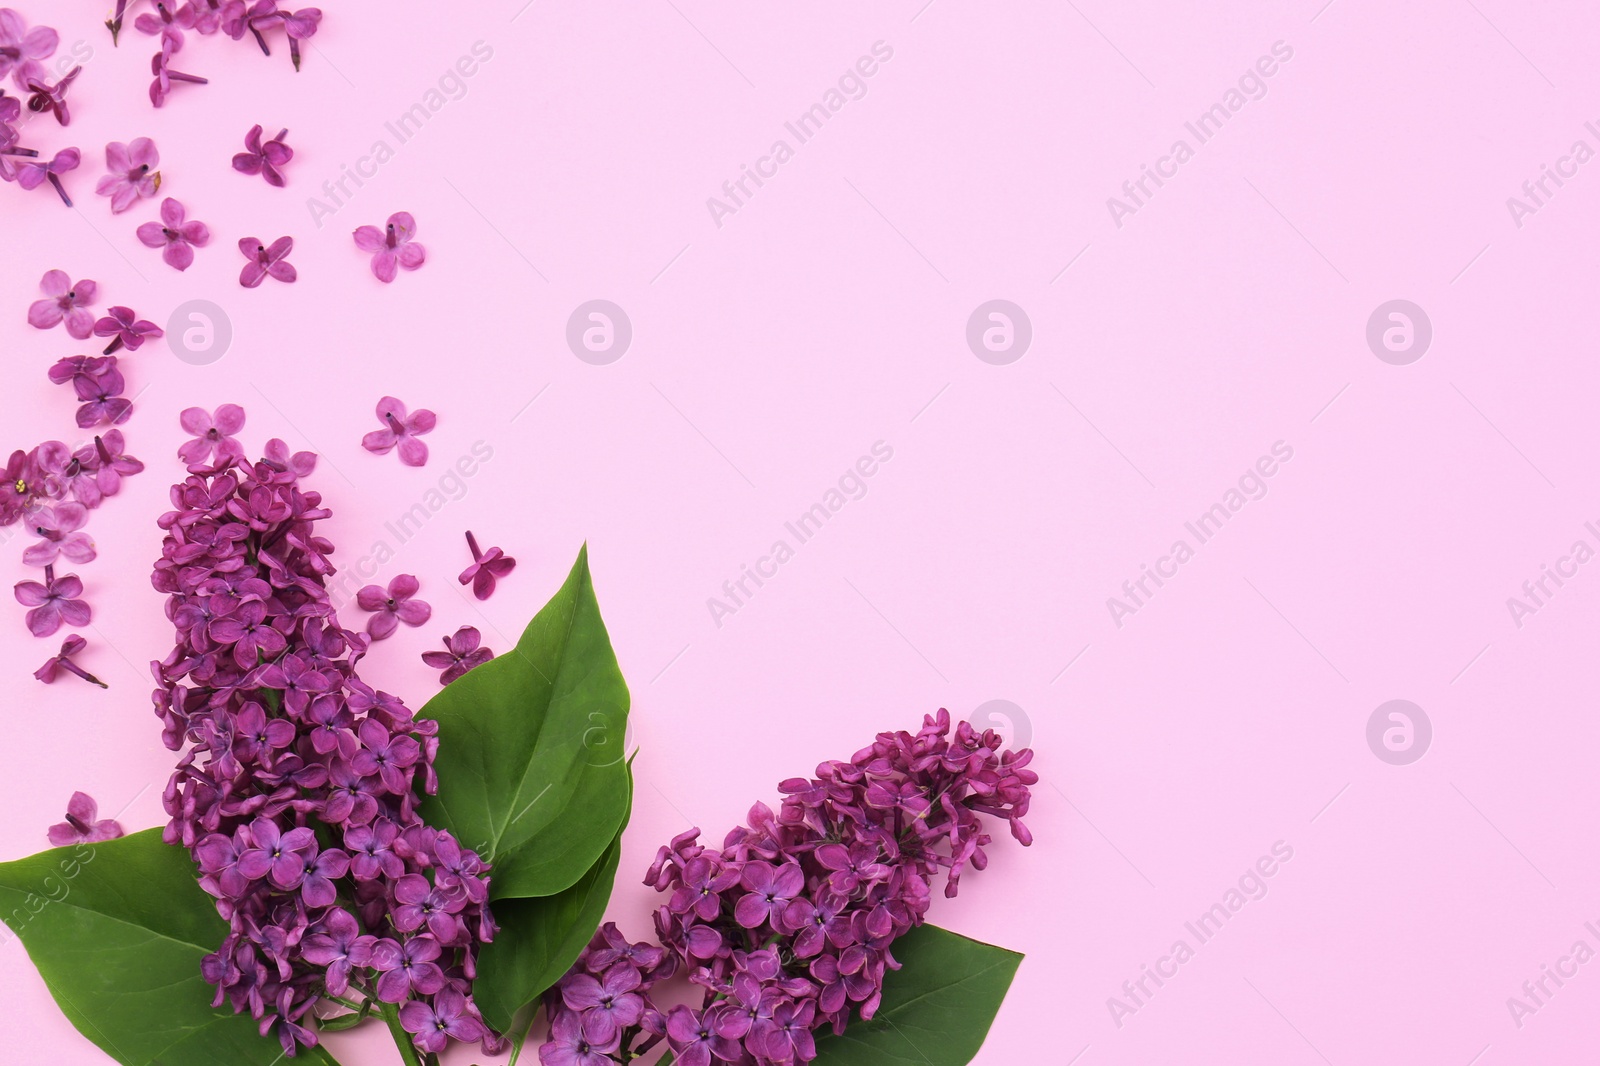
173,19
22,55
51,489
298,791
791,925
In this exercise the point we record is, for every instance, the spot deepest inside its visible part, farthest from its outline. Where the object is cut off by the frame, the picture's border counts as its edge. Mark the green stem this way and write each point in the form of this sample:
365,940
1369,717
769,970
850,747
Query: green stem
402,1039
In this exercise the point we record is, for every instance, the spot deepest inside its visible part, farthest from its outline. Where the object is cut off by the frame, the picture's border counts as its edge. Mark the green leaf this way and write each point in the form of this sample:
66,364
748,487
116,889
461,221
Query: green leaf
937,1008
539,939
117,931
530,766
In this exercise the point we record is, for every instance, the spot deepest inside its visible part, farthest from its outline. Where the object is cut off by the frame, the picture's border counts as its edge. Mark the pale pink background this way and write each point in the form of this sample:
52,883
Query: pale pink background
829,313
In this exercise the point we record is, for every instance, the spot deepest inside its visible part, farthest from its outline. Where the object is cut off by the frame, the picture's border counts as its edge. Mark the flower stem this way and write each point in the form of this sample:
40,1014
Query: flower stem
402,1039
74,668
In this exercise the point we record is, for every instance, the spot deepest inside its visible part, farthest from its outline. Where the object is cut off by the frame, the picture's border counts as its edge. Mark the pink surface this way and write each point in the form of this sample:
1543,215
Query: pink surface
828,312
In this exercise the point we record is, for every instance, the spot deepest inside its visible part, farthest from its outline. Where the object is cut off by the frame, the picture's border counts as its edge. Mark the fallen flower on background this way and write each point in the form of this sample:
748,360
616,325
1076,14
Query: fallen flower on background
84,824
63,661
401,429
487,567
264,158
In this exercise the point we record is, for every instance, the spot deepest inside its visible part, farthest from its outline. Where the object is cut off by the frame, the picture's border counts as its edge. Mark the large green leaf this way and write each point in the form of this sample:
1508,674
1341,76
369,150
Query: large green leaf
530,768
118,930
937,1008
539,939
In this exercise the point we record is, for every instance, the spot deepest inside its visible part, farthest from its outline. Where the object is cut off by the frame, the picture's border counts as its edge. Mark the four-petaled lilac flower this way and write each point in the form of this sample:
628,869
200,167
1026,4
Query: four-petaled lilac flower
609,1003
21,49
264,157
31,173
255,736
177,237
568,1046
317,888
131,173
385,755
63,661
161,84
446,1018
110,465
487,568
64,302
52,98
372,851
407,967
126,329
695,1040
300,26
213,442
84,824
168,22
275,855
54,601
299,464
769,891
341,947
403,429
100,389
261,15
393,605
252,634
266,260
60,533
298,680
392,246
461,654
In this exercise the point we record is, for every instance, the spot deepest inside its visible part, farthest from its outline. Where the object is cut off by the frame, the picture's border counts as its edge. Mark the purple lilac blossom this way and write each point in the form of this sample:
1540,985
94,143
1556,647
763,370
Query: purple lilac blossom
462,653
401,428
392,247
126,329
264,261
64,302
131,173
53,601
21,49
84,824
791,925
264,158
487,568
62,660
298,789
393,605
175,235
